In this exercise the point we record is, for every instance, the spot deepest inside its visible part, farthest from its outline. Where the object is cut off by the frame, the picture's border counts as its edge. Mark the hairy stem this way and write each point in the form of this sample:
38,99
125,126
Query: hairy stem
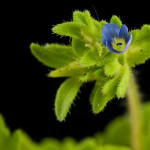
135,115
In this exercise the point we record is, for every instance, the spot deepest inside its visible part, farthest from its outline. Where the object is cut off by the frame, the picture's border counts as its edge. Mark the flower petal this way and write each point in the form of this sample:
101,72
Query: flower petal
109,47
128,43
109,31
123,32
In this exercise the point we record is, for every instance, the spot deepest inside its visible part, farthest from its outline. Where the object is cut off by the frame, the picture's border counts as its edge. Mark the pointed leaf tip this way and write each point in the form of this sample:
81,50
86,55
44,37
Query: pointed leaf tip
72,29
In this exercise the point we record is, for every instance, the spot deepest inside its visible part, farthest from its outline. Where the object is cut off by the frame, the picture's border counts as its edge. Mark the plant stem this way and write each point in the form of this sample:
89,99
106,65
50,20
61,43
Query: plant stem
135,115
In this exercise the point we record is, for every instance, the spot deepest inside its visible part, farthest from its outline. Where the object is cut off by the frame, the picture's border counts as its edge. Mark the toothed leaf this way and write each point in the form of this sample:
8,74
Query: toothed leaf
72,29
123,82
79,47
88,59
139,52
53,55
135,36
110,88
65,96
72,69
79,17
89,21
112,68
97,99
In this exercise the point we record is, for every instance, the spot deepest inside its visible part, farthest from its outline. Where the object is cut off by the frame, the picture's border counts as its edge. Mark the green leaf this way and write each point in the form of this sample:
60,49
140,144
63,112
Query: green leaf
135,35
53,55
146,125
118,132
122,59
124,81
89,21
113,147
88,59
88,75
99,74
87,144
79,17
65,96
73,69
93,93
4,131
112,68
97,99
72,29
110,87
139,52
116,20
4,135
110,57
102,23
69,144
50,144
79,47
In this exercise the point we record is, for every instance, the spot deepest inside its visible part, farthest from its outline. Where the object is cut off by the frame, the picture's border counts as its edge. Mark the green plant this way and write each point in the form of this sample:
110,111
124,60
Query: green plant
93,55
96,55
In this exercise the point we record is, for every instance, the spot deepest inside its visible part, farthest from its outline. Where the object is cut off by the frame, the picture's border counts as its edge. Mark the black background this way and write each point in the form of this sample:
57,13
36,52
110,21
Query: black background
27,99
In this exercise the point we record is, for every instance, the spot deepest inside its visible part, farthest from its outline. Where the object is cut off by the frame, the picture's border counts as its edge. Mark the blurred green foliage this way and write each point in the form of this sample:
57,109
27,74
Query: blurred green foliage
116,136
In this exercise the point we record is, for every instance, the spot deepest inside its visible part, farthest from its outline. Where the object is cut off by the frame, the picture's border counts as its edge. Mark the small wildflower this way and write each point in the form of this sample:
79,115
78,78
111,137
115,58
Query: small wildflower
116,39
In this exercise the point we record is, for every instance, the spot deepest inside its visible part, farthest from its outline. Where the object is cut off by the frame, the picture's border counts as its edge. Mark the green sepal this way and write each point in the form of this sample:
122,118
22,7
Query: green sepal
88,59
73,69
139,52
53,55
123,82
112,68
79,47
97,99
65,96
72,29
116,20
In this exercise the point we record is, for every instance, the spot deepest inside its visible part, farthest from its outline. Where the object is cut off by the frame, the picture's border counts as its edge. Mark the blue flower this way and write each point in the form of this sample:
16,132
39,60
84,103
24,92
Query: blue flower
116,39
